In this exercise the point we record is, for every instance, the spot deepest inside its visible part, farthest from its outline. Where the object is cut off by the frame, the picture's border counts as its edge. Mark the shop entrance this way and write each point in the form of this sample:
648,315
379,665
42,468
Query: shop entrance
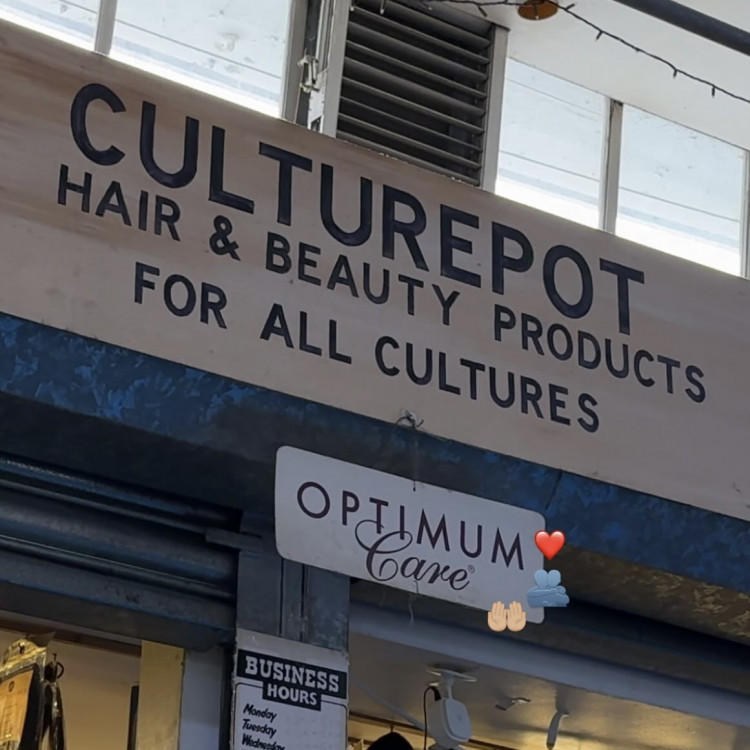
540,699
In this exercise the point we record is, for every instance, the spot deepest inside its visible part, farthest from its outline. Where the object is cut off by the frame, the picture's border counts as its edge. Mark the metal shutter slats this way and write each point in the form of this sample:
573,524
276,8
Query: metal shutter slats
364,112
415,85
406,51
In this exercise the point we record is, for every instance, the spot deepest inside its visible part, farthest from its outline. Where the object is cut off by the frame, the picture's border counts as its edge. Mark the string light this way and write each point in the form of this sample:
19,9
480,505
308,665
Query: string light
600,33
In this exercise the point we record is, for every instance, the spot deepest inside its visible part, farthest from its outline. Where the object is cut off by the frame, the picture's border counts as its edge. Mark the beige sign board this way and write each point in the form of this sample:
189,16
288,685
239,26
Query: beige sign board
141,213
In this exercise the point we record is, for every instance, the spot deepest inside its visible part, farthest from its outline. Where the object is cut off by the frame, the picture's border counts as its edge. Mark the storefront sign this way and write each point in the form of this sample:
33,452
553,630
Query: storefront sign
288,695
153,217
393,531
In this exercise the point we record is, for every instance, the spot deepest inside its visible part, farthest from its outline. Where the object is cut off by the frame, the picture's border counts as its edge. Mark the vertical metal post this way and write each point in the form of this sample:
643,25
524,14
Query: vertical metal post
105,26
323,114
295,51
610,182
493,121
745,221
289,600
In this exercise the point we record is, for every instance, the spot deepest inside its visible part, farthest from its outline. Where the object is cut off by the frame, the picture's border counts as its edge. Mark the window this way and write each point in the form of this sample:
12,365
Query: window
680,191
73,22
551,144
232,48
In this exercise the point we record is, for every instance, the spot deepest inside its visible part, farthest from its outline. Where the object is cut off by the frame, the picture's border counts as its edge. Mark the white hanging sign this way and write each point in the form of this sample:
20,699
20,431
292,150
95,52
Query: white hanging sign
288,695
407,535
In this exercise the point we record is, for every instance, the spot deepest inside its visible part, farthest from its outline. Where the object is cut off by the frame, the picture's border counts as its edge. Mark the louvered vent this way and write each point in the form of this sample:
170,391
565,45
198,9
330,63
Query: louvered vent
415,85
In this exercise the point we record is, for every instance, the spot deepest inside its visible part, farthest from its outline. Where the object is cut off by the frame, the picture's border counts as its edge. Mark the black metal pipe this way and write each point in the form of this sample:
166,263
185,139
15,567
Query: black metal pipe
694,22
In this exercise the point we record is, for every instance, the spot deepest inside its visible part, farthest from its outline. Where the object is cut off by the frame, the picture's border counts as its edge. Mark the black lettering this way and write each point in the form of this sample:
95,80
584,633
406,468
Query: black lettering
186,173
671,365
89,93
641,354
382,342
162,217
625,369
624,275
303,345
500,261
440,531
407,229
443,383
333,352
449,243
190,295
411,370
141,282
379,505
588,364
531,330
515,549
342,274
287,162
556,403
531,395
567,352
65,185
474,368
324,495
360,235
411,284
367,286
346,508
305,262
276,325
446,303
114,201
505,319
216,191
143,211
277,247
694,376
503,402
213,300
586,403
553,257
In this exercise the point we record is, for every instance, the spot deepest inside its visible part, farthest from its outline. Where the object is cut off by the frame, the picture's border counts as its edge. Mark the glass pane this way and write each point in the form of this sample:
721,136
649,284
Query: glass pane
232,48
551,141
680,191
72,21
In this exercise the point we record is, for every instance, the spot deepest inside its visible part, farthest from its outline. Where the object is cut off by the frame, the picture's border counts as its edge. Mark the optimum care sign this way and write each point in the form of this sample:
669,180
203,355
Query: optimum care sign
156,218
415,537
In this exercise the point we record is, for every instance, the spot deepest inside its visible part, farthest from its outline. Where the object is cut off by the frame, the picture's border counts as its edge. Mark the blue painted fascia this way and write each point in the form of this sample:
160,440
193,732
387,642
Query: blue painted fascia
201,415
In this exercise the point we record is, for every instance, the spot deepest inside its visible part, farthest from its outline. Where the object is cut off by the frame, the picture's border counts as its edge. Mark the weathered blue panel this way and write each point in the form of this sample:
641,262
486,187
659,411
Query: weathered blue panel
139,418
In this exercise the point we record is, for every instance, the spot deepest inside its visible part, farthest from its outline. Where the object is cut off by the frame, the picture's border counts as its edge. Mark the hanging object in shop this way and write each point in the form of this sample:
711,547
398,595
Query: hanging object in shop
301,264
31,711
411,536
288,695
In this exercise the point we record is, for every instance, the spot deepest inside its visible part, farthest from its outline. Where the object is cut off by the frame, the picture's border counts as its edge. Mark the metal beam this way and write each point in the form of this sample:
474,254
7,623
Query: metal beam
495,88
610,183
105,26
694,22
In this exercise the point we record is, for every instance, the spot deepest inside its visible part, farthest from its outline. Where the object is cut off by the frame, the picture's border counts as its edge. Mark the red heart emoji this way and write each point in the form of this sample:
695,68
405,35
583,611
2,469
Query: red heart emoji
549,544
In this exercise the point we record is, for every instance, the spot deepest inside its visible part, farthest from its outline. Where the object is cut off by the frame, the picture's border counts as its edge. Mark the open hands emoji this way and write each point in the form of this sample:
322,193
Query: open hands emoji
513,618
496,617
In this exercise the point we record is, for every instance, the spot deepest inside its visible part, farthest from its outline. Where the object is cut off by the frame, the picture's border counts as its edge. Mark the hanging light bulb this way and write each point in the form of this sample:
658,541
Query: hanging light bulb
537,10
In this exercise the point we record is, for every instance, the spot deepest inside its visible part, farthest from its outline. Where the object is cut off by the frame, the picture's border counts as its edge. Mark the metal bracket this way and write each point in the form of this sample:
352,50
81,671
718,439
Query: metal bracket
310,66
